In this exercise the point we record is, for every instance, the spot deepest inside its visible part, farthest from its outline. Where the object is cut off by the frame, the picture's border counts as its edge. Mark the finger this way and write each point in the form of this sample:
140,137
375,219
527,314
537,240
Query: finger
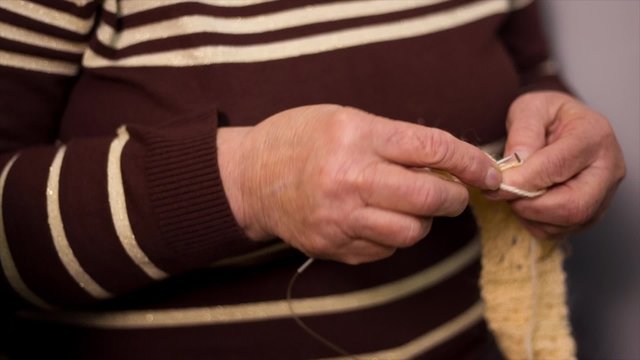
548,232
554,164
527,123
360,251
396,188
418,146
387,228
574,203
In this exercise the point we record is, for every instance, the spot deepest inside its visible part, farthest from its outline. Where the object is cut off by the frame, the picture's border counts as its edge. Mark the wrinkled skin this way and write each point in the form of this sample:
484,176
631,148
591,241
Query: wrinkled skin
571,151
341,184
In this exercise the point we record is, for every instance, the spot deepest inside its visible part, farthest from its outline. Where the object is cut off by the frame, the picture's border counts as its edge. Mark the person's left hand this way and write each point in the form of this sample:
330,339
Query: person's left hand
568,149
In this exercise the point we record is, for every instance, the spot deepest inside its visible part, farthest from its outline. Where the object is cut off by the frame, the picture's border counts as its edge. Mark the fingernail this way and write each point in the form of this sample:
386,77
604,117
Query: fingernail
493,179
523,153
492,194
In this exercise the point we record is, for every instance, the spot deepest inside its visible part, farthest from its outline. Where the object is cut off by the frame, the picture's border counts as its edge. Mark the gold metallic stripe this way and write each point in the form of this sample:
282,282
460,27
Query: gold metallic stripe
330,304
24,36
306,15
136,6
48,15
118,206
60,241
33,63
313,44
431,339
8,265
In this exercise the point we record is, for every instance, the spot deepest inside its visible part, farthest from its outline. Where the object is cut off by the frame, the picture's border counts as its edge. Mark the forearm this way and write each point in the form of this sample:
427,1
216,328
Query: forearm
107,215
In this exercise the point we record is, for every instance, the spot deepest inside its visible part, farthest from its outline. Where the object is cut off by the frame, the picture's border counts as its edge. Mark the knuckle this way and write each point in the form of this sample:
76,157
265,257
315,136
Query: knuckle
430,199
337,178
425,227
383,253
461,203
473,166
356,225
578,212
367,181
342,126
414,232
557,166
317,248
340,113
396,135
620,173
431,146
327,181
553,232
442,200
373,254
357,259
352,260
438,145
620,170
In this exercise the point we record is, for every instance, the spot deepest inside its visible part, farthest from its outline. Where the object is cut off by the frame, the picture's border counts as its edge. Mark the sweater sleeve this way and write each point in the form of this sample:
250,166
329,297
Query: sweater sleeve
95,217
523,36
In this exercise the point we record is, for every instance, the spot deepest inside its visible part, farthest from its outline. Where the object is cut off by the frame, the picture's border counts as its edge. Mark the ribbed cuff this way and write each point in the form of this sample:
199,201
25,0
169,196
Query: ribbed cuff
191,210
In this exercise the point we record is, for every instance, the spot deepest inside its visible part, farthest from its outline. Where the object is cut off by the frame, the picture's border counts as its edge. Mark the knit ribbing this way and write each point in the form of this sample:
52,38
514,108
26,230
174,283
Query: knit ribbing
186,194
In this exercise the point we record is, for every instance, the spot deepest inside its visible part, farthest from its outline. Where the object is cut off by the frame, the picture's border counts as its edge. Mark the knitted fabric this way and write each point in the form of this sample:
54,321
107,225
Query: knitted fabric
523,286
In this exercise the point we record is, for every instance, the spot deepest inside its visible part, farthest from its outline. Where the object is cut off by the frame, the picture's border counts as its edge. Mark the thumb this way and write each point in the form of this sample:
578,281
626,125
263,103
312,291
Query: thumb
527,123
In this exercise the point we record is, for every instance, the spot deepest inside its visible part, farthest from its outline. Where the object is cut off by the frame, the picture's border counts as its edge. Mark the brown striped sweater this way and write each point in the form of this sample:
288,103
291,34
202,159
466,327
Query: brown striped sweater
121,244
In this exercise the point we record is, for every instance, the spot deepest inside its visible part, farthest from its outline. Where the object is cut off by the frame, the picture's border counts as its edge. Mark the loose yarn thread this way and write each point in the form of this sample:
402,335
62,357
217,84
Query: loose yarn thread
522,193
301,323
511,161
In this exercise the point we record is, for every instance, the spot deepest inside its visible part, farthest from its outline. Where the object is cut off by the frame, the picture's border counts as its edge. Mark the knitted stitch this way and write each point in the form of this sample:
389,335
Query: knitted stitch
523,286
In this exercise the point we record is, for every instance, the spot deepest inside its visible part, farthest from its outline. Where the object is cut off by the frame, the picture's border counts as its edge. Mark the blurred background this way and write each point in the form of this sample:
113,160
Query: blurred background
596,44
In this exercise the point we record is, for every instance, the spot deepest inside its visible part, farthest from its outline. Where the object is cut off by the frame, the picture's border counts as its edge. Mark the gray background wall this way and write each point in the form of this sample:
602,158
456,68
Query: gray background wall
597,47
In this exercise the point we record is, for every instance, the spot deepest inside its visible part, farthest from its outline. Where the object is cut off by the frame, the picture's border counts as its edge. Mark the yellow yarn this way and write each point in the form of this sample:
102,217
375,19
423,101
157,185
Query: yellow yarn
523,286
522,282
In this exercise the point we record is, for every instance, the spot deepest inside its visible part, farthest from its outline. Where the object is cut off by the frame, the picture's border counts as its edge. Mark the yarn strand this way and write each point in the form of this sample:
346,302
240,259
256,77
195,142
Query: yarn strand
511,161
522,193
302,324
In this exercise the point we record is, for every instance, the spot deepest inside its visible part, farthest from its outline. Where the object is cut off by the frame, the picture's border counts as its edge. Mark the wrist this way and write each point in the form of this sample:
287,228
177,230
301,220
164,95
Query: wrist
235,173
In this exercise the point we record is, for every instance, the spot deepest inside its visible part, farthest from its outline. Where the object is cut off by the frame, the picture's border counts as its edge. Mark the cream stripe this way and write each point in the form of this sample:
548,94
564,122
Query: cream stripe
14,33
33,63
8,265
431,339
48,15
118,206
132,7
235,3
80,3
255,24
218,54
267,310
60,240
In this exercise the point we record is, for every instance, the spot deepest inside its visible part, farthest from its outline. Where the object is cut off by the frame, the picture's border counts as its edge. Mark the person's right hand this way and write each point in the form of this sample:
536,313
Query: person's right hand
338,183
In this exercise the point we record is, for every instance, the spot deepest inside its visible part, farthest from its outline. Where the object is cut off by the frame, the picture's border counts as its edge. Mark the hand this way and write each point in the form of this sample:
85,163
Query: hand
569,150
338,183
